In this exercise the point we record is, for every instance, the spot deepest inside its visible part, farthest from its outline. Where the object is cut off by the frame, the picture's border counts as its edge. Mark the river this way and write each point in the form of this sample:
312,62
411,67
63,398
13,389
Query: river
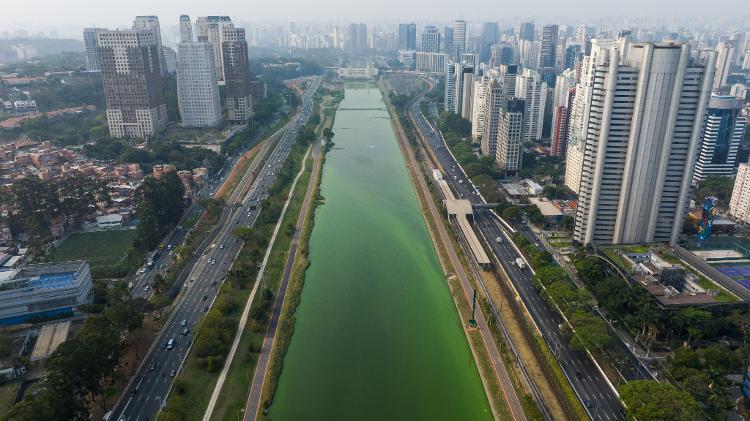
377,335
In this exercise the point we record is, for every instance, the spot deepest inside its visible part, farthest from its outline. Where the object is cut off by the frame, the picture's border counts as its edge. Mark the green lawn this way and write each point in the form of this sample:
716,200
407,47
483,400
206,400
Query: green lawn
99,248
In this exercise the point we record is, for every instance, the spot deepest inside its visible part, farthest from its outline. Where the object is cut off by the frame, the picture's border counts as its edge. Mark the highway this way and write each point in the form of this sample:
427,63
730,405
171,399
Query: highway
142,280
588,382
148,390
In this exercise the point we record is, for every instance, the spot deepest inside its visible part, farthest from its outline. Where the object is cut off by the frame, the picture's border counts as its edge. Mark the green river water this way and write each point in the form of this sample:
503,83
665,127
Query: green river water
377,336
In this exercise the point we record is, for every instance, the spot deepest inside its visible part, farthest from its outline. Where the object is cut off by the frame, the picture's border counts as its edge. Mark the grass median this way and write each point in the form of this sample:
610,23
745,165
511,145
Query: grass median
194,385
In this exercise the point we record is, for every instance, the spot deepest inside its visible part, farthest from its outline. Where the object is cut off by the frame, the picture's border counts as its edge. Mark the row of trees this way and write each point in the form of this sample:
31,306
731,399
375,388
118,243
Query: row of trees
159,205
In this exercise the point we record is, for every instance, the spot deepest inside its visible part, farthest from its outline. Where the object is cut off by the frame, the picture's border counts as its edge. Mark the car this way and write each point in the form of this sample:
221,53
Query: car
221,246
205,297
184,322
147,287
153,365
172,373
170,344
185,331
164,345
588,403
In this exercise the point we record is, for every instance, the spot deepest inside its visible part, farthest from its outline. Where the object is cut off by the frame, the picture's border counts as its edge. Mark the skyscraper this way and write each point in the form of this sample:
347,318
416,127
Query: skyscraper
407,36
151,23
501,54
197,86
739,204
480,90
448,41
459,38
490,32
561,106
131,78
509,151
526,31
463,71
92,56
548,52
720,139
644,114
493,113
529,53
533,90
450,87
725,51
236,74
430,40
209,30
467,94
186,29
357,36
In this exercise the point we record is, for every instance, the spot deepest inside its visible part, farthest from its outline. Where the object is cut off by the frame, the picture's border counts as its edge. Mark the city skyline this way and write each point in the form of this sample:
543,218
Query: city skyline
64,18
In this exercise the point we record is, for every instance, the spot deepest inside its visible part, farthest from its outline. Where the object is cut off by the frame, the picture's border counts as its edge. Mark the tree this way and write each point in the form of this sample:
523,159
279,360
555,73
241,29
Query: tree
549,274
511,213
590,331
648,400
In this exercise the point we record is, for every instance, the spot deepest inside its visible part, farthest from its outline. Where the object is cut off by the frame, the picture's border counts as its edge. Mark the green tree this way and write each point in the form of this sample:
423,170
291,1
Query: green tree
651,401
590,331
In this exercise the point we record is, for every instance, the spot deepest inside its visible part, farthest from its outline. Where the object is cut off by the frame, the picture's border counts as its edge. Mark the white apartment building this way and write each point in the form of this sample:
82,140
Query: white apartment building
479,91
739,205
197,85
533,90
493,112
430,62
645,112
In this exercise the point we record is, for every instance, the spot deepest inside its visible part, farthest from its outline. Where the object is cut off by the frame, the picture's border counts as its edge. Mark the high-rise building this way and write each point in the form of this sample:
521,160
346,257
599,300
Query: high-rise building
526,31
533,90
573,55
450,87
529,53
209,30
561,106
467,94
151,23
725,55
644,115
548,51
508,75
480,90
721,137
493,113
170,59
490,33
407,36
197,85
92,56
509,151
459,38
186,29
448,40
463,71
236,74
501,54
357,36
431,62
430,40
739,205
131,78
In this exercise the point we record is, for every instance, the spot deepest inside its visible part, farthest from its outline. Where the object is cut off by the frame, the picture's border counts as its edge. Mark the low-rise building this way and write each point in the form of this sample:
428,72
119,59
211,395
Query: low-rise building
45,290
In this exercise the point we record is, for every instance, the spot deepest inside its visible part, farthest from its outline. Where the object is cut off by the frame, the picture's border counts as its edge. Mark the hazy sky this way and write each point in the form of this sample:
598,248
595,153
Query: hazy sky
69,15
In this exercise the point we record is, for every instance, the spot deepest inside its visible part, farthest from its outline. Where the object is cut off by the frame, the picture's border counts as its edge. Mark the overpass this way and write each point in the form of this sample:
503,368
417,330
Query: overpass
461,209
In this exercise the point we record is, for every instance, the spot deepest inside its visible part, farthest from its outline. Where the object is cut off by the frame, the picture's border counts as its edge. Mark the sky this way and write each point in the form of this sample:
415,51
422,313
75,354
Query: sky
68,16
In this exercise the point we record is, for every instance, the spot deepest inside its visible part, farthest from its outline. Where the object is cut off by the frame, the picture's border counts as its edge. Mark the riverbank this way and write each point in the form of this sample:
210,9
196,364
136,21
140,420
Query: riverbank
500,393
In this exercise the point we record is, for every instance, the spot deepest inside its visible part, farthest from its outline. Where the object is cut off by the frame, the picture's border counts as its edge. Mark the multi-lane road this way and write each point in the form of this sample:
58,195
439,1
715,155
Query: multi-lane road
591,386
148,390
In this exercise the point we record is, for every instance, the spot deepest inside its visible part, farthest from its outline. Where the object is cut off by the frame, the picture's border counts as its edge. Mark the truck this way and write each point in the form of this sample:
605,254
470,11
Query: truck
521,264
